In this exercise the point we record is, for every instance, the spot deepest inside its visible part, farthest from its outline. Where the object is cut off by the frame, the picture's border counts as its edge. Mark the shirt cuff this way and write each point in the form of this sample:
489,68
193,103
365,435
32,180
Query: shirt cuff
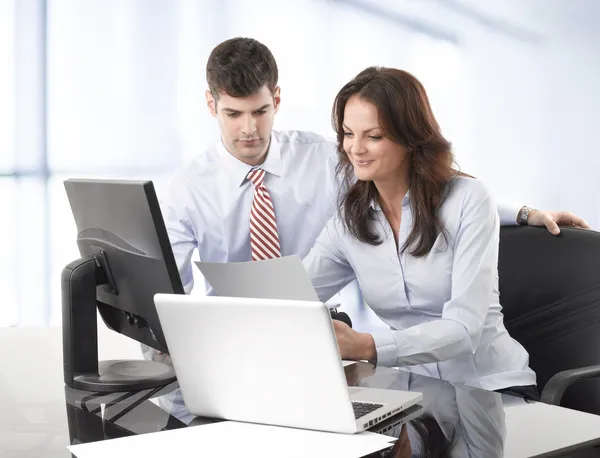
385,345
508,213
335,302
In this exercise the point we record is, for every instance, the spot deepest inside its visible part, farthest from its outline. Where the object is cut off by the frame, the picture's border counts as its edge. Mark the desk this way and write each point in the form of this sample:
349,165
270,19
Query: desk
39,416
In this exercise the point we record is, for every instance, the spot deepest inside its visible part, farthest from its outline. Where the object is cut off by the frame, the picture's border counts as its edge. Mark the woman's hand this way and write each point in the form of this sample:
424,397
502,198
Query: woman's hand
354,345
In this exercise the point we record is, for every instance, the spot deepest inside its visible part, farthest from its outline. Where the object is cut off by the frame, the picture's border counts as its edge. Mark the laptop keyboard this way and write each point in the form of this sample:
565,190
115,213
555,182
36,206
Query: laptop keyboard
363,408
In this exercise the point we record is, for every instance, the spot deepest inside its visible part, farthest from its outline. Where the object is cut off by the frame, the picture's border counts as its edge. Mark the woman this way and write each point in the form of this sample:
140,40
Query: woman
420,238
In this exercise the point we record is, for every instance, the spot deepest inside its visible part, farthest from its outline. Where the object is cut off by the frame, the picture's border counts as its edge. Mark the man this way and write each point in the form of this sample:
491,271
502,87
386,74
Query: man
258,193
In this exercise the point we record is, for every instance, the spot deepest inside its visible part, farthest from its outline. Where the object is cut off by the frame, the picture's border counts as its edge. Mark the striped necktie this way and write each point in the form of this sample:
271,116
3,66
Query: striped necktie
264,240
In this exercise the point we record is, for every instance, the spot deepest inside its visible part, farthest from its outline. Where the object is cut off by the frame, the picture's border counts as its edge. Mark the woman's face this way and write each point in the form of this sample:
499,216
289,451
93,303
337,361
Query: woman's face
373,156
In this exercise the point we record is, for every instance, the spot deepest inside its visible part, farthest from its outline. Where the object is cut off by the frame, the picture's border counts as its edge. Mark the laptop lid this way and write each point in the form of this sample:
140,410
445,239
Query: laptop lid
253,360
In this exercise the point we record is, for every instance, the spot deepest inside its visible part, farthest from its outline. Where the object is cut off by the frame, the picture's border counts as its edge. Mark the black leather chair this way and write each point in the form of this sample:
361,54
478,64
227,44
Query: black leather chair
550,293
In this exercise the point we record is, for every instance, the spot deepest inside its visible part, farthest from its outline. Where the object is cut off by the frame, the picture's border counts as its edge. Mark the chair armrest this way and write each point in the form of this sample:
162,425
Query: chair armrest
556,386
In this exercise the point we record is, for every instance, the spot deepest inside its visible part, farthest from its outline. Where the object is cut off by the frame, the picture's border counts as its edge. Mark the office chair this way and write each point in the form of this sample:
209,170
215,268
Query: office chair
550,293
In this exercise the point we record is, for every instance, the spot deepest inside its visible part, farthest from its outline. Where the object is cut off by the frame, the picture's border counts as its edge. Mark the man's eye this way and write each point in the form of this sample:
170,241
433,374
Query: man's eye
233,115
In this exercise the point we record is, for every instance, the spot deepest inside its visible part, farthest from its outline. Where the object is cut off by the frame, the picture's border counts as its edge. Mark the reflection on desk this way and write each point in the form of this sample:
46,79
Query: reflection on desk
454,421
39,417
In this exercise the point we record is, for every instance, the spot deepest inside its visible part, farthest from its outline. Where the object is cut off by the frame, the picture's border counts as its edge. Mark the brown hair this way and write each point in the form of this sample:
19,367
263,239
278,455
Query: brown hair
240,67
405,118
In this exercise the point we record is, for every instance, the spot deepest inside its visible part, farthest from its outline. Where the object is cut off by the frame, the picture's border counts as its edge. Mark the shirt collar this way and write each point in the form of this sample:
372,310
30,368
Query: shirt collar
405,201
238,170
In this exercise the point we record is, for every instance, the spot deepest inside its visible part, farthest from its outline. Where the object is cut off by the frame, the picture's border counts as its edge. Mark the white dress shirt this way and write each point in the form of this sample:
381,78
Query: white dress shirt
207,204
443,308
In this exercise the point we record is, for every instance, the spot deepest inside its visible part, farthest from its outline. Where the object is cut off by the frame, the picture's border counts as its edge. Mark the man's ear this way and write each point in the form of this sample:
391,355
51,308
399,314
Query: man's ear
276,98
211,103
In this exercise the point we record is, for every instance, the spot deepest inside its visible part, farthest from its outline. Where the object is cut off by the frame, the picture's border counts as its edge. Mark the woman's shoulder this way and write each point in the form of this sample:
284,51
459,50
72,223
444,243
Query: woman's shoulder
462,189
466,196
335,226
338,231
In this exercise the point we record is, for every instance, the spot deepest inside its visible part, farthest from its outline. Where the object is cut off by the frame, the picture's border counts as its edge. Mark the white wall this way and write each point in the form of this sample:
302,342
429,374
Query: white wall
517,95
536,108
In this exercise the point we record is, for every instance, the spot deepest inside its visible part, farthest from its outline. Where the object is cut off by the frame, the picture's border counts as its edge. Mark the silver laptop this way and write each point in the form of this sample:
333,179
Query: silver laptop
267,361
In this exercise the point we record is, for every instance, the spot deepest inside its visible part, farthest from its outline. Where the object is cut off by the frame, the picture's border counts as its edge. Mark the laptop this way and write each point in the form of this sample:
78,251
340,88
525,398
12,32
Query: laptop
268,361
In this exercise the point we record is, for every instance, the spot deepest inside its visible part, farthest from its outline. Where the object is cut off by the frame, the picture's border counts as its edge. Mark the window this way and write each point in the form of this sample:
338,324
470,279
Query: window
7,86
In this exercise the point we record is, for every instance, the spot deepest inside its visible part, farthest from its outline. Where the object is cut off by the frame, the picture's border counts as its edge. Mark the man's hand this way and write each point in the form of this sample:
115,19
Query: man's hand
552,220
354,345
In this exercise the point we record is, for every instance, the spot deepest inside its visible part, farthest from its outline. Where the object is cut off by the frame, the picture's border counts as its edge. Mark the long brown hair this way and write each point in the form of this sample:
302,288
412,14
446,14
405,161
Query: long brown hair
405,117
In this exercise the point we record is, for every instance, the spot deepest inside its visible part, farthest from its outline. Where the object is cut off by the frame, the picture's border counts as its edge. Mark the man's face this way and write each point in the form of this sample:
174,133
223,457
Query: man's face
246,122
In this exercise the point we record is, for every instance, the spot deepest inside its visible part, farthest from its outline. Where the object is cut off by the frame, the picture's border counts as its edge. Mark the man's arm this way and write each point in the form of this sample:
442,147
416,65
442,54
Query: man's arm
183,243
508,213
513,214
554,219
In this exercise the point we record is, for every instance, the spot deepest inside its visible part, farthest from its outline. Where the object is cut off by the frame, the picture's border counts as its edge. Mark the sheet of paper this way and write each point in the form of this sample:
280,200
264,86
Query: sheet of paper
230,439
281,278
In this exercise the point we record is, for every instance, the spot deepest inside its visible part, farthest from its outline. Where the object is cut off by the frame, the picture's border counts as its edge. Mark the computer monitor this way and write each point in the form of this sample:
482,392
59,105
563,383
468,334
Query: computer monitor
126,259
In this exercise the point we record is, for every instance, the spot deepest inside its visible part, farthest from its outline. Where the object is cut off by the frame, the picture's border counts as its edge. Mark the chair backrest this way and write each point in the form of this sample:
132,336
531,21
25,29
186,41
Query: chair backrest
550,294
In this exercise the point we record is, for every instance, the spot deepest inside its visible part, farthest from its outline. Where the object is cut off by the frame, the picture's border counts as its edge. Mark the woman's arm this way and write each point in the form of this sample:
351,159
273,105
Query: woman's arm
326,264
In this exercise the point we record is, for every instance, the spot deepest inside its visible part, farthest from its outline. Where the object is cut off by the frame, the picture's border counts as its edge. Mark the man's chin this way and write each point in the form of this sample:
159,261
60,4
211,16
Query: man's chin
250,154
254,149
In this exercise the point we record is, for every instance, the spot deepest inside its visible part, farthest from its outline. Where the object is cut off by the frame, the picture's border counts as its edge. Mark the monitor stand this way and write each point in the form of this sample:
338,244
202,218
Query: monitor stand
82,370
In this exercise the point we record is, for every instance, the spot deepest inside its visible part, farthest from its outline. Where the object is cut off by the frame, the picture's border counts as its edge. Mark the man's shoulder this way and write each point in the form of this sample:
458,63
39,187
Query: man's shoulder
303,138
197,170
202,163
303,146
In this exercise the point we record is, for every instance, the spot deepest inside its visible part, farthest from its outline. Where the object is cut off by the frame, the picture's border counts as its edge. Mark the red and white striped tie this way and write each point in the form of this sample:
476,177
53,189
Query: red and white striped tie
264,240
